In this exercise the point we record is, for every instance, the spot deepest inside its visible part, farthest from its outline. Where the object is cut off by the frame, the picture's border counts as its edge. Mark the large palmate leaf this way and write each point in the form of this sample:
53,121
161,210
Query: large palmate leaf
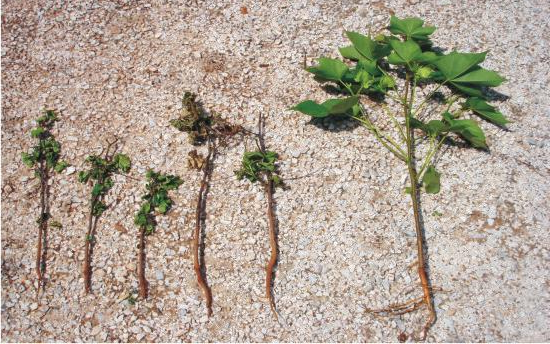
329,107
404,52
485,111
329,69
455,64
410,28
368,48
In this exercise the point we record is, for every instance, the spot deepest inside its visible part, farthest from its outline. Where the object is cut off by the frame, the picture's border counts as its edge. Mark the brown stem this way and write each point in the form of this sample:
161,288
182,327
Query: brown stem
141,264
273,244
197,233
42,226
423,275
86,270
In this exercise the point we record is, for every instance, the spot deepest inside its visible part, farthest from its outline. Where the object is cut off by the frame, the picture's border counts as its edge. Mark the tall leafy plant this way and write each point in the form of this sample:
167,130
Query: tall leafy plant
100,173
44,158
405,75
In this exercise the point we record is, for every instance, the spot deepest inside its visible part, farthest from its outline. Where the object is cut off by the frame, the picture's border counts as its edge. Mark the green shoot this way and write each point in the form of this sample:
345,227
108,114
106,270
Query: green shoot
44,158
100,173
156,201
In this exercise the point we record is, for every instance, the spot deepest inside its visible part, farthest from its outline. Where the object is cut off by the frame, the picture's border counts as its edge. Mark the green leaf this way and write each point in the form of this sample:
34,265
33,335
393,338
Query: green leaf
364,79
407,51
485,111
481,77
431,180
427,57
329,69
435,127
468,129
410,27
350,52
339,106
122,162
97,189
368,48
83,176
311,108
37,132
60,166
470,90
455,64
423,73
28,159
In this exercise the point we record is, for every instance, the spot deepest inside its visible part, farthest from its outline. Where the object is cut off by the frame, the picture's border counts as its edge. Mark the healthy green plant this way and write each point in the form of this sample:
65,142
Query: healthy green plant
102,168
210,129
260,166
44,158
156,201
421,92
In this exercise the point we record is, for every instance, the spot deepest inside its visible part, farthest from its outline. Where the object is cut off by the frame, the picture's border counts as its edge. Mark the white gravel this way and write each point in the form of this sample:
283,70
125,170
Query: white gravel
346,236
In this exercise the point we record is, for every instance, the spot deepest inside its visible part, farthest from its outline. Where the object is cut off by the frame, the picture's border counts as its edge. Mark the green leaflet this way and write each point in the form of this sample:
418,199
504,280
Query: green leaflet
455,64
329,69
482,77
485,111
411,28
350,52
404,52
467,128
366,47
329,107
431,180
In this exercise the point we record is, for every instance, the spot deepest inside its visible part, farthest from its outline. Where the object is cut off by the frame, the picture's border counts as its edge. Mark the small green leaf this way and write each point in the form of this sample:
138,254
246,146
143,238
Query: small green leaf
423,73
60,166
431,180
485,111
311,108
410,28
471,90
468,129
83,176
37,132
329,69
122,162
28,159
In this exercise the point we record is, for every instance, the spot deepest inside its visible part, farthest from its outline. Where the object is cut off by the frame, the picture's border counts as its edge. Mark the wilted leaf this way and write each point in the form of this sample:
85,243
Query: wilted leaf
485,111
431,180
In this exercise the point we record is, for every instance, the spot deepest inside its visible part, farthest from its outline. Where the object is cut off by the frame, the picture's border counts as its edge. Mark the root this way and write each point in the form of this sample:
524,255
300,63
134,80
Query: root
143,284
273,243
201,280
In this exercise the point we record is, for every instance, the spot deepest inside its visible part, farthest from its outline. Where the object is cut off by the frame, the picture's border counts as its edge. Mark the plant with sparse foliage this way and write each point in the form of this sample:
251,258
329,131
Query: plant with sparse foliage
156,201
100,174
210,129
260,167
44,158
429,99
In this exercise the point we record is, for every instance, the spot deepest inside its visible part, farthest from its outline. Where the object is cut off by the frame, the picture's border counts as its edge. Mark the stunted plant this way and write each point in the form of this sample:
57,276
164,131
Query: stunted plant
102,168
155,201
44,158
260,166
397,71
212,130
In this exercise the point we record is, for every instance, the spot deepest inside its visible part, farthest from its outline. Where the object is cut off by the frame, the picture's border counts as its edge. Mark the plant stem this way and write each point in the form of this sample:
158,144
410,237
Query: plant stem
431,153
391,145
42,172
428,300
197,233
395,122
87,248
273,244
143,284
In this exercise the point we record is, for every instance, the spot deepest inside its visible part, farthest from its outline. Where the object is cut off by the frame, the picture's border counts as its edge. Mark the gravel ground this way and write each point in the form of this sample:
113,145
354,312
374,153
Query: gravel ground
346,235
